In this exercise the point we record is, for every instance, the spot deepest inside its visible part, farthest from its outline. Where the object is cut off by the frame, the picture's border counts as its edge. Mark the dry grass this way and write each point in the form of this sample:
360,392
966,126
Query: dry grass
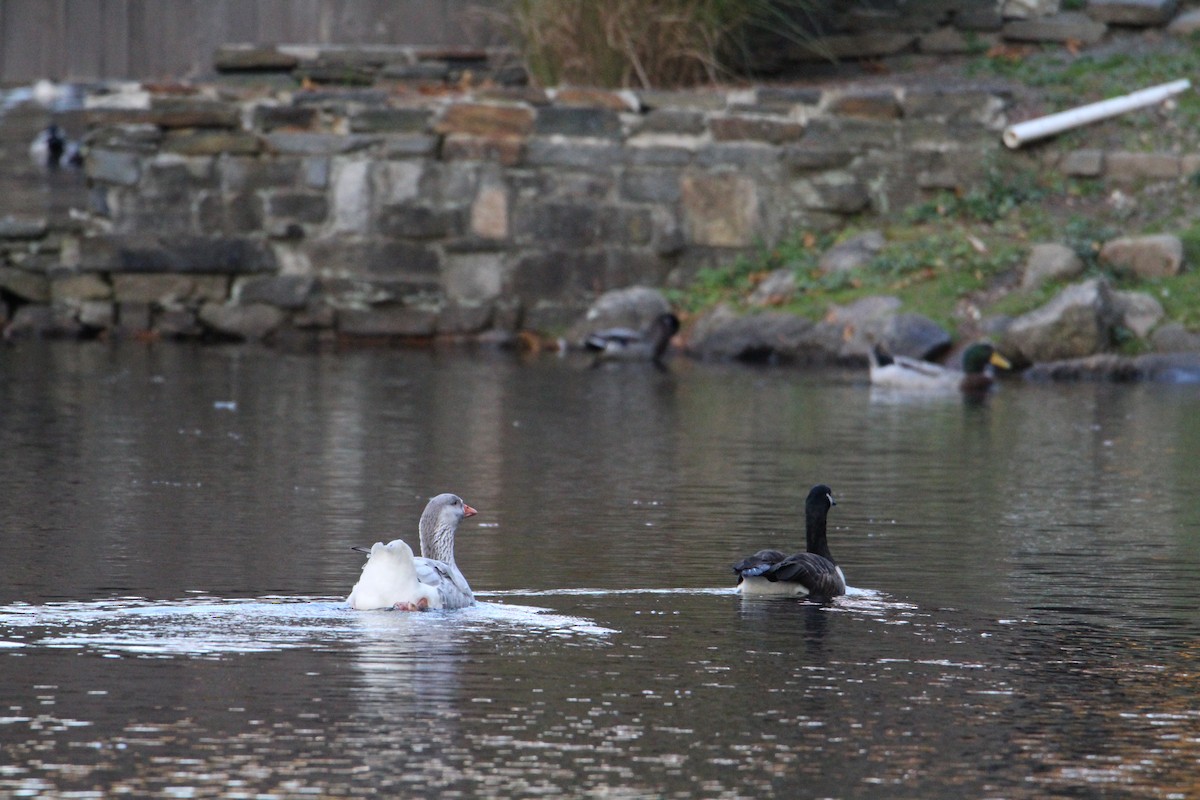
645,43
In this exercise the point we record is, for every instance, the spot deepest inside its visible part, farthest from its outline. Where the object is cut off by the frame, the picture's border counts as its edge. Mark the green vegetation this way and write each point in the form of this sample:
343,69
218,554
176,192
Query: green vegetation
1066,80
954,253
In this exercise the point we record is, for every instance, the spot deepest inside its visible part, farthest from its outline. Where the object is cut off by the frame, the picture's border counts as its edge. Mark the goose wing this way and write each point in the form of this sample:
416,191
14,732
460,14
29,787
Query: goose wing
448,581
757,564
817,574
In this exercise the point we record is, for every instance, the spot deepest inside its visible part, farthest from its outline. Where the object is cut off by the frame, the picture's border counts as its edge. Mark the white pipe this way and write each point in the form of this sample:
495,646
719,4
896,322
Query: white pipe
1025,132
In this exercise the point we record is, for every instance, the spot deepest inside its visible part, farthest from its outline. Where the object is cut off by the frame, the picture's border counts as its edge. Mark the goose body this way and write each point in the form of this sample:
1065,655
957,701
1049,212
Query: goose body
812,573
394,578
900,372
626,344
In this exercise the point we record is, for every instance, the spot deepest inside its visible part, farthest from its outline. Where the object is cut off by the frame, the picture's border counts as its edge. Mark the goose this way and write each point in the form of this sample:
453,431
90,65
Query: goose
394,578
625,344
812,574
899,372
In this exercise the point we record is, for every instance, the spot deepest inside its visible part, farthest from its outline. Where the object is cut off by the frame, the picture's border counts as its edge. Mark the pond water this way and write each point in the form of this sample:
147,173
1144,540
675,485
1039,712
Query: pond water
176,529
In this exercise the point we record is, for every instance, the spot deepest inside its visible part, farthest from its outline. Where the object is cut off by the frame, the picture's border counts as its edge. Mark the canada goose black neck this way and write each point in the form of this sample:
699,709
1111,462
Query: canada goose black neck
816,511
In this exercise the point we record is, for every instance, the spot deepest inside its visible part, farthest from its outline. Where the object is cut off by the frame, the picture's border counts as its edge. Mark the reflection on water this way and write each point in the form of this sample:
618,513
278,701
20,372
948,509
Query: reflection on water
176,548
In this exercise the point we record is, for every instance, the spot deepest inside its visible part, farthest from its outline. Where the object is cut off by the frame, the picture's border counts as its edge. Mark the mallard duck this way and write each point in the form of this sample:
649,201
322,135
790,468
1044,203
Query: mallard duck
625,344
394,578
812,573
51,148
899,372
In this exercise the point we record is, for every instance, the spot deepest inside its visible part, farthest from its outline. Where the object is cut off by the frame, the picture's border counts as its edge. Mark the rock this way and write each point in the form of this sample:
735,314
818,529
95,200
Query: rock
1185,24
78,288
1158,367
776,289
1131,167
42,321
1137,311
177,324
305,143
31,286
1077,322
769,336
855,252
633,307
1024,9
205,142
113,166
97,314
1071,26
836,191
486,120
1086,163
1172,337
252,58
600,123
1140,13
863,323
388,321
755,128
880,104
179,254
1050,262
167,291
282,291
916,336
23,227
721,210
1155,256
253,322
192,112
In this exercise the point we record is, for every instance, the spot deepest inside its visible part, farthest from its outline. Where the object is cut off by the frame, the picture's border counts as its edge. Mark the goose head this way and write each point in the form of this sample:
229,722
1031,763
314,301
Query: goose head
820,500
439,522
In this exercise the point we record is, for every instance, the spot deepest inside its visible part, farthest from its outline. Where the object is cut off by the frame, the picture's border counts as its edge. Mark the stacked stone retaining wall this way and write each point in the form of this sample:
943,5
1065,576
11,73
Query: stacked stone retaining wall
384,210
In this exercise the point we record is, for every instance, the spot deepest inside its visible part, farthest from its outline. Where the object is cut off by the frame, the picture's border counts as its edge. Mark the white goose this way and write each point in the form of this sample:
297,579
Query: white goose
394,578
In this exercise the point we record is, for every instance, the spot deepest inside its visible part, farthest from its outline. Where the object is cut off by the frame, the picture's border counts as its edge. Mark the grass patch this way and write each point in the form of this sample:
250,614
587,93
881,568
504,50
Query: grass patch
1066,80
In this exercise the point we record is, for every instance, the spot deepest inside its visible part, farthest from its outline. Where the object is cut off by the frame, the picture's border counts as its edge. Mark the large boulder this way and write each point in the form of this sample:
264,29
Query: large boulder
1077,322
1137,312
252,322
774,290
916,336
863,323
855,252
1050,262
1172,337
634,307
770,336
1156,256
1158,367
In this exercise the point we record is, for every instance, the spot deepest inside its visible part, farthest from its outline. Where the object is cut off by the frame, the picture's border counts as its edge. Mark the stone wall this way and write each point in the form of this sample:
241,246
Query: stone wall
322,192
376,212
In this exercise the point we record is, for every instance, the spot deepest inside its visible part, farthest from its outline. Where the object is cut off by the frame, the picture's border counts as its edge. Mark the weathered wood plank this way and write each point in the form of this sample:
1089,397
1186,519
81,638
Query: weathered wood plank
162,39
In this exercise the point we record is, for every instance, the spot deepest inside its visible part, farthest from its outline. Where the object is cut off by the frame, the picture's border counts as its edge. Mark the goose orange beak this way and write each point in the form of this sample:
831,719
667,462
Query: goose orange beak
468,511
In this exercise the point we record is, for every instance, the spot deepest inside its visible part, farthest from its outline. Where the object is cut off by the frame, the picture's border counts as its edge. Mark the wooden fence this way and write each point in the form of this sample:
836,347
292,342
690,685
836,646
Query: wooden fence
164,39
